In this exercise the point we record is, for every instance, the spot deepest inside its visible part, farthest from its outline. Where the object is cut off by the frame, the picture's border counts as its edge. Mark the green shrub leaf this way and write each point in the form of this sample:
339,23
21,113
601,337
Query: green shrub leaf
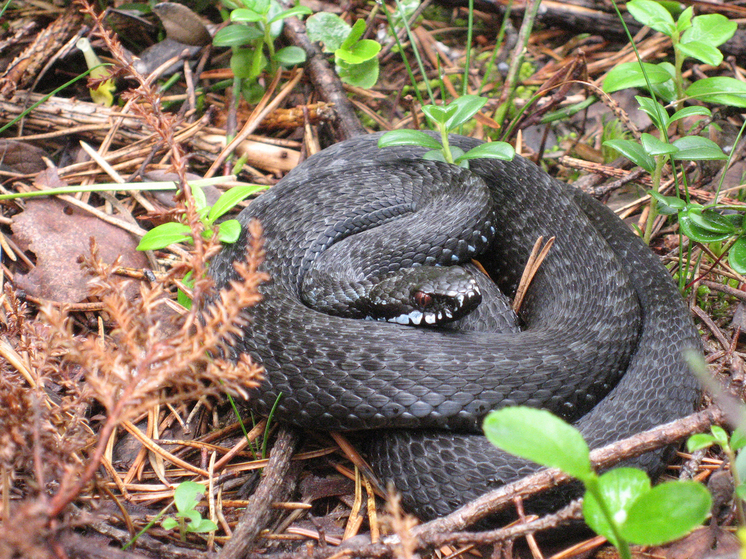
204,525
185,495
439,113
696,148
700,441
408,138
229,231
164,235
723,90
245,15
738,438
466,107
541,437
737,261
290,56
687,112
702,52
363,75
653,146
634,152
231,197
712,29
696,233
355,33
668,205
359,52
328,28
491,150
653,15
619,488
236,36
667,512
629,75
169,523
297,11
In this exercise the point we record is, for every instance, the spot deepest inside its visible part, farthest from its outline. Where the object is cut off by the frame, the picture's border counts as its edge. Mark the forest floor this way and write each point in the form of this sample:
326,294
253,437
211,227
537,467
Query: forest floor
108,399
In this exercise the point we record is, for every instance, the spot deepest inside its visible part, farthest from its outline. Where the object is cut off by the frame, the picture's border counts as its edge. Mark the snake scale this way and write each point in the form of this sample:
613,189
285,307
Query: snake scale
602,329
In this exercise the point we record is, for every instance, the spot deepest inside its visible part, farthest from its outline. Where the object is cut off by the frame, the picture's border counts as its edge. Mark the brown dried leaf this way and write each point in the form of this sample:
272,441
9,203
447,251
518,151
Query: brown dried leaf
58,234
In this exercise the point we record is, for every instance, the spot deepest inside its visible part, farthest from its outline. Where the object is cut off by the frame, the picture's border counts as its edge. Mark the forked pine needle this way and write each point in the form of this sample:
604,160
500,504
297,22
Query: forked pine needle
355,520
537,256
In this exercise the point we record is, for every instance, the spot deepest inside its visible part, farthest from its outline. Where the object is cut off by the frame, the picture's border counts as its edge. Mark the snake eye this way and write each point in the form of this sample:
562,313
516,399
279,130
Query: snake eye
423,300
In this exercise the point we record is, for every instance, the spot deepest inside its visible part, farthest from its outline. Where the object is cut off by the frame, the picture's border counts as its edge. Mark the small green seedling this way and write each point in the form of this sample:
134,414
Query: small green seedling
620,504
692,37
446,119
251,35
356,59
228,231
732,447
186,498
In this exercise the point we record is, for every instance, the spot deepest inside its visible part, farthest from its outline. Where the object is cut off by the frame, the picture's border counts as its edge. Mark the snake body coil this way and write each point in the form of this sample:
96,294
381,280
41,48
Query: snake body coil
603,326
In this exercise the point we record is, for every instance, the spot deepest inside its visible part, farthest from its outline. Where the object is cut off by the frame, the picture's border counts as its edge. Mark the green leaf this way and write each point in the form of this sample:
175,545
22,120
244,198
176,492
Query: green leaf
466,107
241,61
245,15
634,152
629,75
702,52
435,155
258,62
737,261
700,441
297,11
164,235
363,75
491,150
185,495
686,112
355,33
668,205
738,438
290,56
408,138
204,525
169,523
440,114
684,21
666,90
696,233
193,516
181,296
667,512
328,28
236,36
696,148
231,197
741,492
720,435
359,52
654,146
229,231
619,488
723,90
713,221
653,15
712,29
539,436
657,112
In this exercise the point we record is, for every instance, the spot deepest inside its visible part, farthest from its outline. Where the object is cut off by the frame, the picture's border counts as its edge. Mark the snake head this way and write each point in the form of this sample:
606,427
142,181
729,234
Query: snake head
424,296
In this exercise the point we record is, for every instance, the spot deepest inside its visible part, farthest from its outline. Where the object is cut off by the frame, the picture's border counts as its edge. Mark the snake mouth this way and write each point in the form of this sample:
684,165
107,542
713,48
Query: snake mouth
433,308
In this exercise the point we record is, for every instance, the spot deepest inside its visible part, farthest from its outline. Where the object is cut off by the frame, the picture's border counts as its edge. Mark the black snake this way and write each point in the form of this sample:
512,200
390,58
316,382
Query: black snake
603,328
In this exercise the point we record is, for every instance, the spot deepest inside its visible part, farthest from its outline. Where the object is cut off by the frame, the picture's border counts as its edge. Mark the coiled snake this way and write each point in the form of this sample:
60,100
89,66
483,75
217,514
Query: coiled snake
602,327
